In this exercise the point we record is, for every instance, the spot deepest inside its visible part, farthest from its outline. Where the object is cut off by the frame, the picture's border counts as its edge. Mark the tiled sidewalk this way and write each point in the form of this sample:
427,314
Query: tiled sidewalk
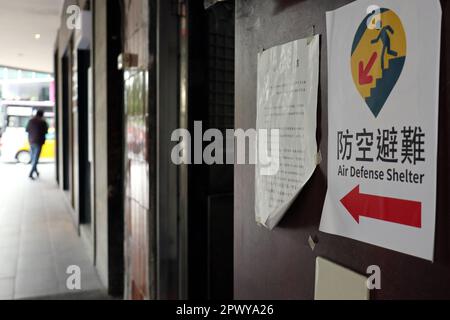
38,240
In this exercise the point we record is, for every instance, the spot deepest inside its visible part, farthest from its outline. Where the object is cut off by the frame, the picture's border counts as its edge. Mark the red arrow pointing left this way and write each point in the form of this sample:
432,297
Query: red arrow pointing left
393,210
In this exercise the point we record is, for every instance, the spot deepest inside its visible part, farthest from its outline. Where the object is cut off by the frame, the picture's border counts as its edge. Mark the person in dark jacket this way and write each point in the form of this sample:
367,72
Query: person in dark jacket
37,129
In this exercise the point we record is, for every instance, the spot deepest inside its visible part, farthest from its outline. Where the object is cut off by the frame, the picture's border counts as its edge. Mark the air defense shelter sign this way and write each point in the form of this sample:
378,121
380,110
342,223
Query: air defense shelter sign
383,73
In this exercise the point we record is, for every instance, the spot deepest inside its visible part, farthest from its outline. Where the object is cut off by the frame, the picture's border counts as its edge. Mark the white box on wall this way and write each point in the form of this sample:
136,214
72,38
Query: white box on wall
334,282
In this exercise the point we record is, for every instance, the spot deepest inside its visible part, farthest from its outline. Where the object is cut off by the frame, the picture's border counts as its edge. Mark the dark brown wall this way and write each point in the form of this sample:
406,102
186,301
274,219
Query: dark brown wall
279,264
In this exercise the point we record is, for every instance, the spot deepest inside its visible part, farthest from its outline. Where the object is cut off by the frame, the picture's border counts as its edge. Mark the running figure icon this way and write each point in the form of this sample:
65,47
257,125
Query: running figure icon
386,40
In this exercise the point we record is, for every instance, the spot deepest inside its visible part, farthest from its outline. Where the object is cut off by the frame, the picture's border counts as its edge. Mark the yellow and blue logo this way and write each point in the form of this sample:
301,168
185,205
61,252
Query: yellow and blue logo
378,57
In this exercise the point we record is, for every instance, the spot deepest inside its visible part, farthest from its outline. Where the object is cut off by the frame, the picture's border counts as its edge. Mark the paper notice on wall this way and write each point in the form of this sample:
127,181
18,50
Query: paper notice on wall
288,77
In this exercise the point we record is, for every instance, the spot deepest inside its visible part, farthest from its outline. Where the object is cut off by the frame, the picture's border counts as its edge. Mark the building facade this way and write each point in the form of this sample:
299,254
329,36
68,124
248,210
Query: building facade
133,71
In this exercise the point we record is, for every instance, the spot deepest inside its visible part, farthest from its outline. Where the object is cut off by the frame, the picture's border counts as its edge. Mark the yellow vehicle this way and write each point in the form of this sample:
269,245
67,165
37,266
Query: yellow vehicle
14,117
47,154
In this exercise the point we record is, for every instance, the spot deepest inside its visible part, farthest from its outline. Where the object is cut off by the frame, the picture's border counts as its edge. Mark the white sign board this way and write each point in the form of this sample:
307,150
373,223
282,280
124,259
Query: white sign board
383,87
288,77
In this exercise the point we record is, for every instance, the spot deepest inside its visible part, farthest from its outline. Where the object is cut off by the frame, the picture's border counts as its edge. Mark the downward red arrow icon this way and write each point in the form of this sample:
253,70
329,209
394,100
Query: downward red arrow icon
399,211
364,73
